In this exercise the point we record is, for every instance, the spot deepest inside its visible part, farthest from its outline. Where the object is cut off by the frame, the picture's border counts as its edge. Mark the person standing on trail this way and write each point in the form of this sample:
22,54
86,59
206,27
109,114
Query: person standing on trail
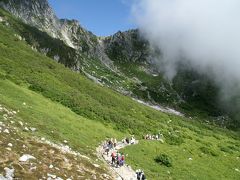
127,140
113,155
110,144
119,160
142,177
115,143
138,173
107,150
132,140
118,157
122,160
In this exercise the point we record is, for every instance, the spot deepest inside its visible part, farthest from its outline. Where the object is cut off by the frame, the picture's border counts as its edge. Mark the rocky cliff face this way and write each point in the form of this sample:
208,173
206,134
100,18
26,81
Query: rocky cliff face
75,35
126,46
35,12
134,69
122,46
84,41
39,14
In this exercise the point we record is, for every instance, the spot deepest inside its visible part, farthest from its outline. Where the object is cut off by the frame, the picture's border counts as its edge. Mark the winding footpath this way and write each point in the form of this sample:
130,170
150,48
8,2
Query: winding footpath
124,172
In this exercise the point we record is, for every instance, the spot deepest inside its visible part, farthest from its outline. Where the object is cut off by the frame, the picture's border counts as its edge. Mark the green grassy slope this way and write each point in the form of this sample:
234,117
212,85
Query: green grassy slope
214,156
157,87
42,41
42,75
84,113
53,120
200,101
190,92
19,141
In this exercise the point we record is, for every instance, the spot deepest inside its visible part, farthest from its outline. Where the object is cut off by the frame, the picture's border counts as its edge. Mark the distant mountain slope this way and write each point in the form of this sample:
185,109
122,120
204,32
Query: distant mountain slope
124,61
51,102
39,14
35,12
41,74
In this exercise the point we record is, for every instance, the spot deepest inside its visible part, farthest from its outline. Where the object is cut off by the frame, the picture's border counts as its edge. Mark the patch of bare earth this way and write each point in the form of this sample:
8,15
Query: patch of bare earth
46,162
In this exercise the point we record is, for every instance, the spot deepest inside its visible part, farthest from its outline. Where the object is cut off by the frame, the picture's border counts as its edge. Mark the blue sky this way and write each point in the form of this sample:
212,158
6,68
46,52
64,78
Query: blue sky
102,17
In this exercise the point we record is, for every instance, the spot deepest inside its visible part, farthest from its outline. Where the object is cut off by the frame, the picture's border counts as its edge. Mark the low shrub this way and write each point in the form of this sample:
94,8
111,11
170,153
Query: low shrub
164,159
174,139
208,151
226,149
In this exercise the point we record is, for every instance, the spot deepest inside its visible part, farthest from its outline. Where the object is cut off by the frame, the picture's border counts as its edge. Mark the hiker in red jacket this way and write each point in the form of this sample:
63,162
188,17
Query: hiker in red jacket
122,160
113,155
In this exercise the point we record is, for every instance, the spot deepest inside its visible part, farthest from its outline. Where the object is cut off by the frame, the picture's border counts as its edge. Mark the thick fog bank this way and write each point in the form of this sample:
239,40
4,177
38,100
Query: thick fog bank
203,33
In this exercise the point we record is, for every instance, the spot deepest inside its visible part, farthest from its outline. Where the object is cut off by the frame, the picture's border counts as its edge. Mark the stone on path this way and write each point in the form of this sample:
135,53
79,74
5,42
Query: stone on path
33,129
26,157
9,174
21,123
6,131
96,165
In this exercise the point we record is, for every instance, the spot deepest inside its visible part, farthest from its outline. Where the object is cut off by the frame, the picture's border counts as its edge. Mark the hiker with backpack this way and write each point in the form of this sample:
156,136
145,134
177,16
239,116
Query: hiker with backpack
115,143
143,177
127,140
122,161
140,175
118,158
132,140
113,155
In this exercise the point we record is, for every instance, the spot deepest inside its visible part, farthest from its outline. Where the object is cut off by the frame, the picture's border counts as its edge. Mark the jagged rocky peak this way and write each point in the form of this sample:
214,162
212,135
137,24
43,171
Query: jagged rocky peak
68,21
80,38
127,46
126,34
69,29
38,13
34,12
71,25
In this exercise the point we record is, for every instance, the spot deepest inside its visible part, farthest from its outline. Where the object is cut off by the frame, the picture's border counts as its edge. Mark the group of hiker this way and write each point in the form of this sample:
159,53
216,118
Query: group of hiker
153,137
132,140
118,159
140,175
111,147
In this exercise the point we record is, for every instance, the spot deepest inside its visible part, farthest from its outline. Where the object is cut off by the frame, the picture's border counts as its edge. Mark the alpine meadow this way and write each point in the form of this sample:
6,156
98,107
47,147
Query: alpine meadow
144,103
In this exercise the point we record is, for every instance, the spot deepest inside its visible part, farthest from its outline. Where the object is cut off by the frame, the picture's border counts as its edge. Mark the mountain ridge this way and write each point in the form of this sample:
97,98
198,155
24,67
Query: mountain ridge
53,101
128,63
40,15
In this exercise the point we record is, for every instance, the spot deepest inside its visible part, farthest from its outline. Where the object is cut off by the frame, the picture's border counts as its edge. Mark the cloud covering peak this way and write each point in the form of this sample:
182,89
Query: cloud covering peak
203,33
206,32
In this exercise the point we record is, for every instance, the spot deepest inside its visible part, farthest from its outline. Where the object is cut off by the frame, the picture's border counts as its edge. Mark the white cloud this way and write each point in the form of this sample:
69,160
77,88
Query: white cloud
205,32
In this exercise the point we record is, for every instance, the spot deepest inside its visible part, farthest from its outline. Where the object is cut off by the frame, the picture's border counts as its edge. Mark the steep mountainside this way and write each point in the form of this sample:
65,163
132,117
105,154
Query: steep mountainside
39,14
124,61
127,46
189,91
59,117
35,12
